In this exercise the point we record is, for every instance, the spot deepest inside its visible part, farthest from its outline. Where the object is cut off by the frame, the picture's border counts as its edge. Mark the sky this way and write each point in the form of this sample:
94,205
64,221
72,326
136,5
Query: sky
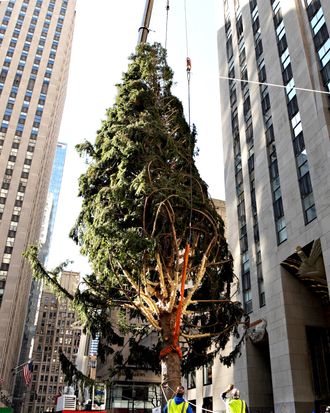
106,33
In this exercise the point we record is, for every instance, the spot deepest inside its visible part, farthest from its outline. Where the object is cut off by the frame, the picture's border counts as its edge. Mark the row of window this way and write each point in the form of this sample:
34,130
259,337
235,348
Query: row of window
27,47
54,368
4,266
261,69
46,377
23,180
21,17
55,314
247,115
41,399
241,213
49,389
318,26
51,323
279,220
55,350
305,186
207,376
321,38
11,235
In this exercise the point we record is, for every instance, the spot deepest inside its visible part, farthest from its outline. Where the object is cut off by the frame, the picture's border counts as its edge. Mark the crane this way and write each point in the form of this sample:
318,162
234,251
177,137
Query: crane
144,29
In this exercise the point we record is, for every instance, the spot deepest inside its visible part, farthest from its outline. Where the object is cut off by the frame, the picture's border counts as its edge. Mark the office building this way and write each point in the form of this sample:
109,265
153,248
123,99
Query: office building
35,291
55,332
139,392
275,123
52,199
35,39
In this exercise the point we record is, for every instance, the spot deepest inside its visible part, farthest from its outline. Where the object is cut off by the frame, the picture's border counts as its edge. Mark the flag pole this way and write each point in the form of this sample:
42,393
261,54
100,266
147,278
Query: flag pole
14,370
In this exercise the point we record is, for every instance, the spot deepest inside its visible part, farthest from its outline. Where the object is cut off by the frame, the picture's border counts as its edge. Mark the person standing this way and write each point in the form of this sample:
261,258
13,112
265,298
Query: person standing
233,403
178,404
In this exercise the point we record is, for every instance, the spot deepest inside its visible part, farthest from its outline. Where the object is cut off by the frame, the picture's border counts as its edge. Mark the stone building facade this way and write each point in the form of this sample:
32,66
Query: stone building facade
35,48
55,332
274,65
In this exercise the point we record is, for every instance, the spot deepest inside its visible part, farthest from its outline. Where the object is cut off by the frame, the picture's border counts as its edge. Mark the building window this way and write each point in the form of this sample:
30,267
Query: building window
208,403
317,22
247,298
323,49
191,380
281,229
44,88
4,266
207,373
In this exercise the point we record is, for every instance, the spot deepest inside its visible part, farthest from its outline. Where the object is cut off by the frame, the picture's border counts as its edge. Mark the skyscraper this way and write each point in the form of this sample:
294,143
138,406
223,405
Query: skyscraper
53,196
276,147
35,38
35,291
54,334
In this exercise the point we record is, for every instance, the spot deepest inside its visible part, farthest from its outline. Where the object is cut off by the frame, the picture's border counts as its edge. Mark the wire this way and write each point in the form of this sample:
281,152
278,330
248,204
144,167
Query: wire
186,26
190,166
188,80
166,27
188,70
188,60
274,85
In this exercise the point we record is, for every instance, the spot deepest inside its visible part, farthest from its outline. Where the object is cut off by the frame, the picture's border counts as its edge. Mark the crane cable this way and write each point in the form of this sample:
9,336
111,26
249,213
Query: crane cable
187,247
188,70
186,26
166,26
176,333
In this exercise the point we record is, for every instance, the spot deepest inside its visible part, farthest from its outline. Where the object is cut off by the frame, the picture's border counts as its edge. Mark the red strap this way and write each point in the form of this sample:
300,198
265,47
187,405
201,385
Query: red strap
175,347
167,350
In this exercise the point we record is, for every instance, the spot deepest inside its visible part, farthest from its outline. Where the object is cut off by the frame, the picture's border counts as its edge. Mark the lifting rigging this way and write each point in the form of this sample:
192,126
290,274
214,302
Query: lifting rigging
143,35
144,30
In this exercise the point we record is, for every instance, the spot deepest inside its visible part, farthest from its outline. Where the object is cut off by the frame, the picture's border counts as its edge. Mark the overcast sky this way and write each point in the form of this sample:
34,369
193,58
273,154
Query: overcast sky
105,35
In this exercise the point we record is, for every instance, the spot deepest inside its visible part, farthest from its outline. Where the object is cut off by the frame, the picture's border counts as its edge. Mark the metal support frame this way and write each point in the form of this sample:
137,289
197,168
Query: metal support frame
144,29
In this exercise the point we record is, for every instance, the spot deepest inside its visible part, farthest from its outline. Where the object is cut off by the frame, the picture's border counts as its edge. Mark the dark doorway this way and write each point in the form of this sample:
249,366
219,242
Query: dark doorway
208,403
260,384
318,339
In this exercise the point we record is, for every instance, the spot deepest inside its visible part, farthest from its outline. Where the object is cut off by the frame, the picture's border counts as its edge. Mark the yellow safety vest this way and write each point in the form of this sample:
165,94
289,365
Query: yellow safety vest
172,407
236,406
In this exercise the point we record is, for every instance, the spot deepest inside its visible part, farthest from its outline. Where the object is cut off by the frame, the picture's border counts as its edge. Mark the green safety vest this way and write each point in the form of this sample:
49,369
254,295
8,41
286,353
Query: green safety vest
236,406
177,408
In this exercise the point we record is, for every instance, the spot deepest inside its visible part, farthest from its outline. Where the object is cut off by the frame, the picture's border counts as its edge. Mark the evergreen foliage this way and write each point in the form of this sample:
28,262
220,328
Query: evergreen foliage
143,201
72,374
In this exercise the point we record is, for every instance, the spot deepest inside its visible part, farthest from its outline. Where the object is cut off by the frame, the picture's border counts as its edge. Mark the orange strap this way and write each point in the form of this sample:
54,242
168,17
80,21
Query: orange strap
176,333
167,350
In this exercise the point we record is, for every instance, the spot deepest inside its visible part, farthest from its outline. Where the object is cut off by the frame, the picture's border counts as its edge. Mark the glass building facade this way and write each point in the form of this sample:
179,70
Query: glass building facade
53,196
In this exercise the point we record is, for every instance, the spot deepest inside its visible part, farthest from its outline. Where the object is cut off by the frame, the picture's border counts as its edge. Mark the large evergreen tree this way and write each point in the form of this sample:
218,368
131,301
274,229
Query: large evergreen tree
143,203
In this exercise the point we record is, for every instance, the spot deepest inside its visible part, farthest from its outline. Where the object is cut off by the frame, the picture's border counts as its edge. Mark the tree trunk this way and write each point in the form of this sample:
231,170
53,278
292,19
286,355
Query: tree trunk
171,363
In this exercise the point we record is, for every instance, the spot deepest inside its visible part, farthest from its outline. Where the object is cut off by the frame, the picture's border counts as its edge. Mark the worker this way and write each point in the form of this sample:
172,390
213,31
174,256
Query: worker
178,404
233,403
